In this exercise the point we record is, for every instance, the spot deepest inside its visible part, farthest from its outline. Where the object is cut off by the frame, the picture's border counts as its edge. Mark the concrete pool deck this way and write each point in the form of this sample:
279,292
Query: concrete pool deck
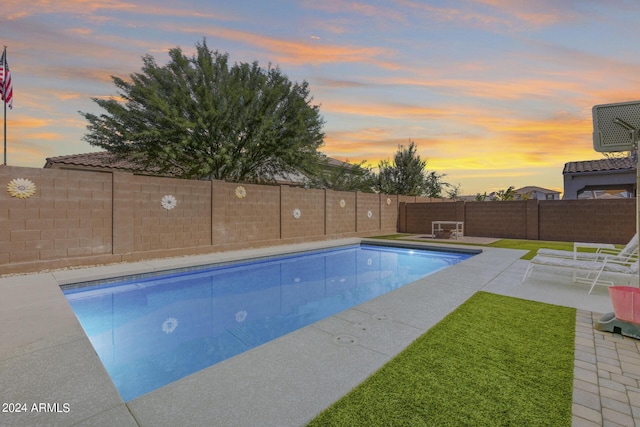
47,360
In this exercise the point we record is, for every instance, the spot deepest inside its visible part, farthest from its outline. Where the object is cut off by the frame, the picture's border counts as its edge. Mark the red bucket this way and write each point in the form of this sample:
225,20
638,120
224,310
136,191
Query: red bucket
626,303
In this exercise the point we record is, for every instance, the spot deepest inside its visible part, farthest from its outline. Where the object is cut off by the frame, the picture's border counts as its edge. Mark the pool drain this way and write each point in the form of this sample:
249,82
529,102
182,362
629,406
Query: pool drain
345,340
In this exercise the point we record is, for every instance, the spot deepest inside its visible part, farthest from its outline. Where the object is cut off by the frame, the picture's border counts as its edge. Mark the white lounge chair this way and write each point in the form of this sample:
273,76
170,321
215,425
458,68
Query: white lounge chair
602,251
593,270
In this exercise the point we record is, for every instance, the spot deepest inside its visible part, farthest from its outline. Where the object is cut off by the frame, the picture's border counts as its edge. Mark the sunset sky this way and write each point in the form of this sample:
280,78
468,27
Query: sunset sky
494,93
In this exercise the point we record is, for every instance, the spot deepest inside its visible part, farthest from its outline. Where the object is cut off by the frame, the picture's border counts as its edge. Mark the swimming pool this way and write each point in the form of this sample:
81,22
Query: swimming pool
152,330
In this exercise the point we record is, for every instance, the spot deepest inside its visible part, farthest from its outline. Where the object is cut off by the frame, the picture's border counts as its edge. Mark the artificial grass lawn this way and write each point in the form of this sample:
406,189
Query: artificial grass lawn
494,361
531,245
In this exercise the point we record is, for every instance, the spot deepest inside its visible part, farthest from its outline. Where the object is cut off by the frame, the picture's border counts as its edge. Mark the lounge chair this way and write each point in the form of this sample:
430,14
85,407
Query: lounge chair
602,251
593,270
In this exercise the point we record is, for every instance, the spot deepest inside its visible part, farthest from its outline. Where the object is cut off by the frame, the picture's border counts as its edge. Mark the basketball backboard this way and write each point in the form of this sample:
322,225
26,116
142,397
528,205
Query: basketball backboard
616,127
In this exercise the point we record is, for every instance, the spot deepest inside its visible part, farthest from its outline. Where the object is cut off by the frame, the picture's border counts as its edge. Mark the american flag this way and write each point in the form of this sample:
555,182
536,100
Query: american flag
6,88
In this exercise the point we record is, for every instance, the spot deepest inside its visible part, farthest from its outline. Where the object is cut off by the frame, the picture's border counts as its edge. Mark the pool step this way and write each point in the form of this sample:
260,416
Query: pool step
245,337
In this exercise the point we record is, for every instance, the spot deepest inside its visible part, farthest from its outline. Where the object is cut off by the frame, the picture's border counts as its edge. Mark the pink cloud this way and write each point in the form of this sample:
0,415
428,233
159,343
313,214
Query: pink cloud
314,52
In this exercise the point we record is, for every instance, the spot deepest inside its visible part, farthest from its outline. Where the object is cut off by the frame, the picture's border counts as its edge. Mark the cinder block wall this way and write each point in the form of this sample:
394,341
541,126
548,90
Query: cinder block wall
420,215
309,205
496,219
592,220
79,217
368,212
70,215
159,229
251,215
341,212
389,212
599,221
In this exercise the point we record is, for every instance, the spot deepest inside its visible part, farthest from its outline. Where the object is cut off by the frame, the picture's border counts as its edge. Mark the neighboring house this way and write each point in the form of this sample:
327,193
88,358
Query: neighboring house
468,198
106,162
98,161
539,193
524,193
597,178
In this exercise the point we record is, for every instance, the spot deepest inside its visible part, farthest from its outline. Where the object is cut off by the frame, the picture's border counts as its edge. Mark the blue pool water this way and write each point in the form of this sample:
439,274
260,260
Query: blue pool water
151,331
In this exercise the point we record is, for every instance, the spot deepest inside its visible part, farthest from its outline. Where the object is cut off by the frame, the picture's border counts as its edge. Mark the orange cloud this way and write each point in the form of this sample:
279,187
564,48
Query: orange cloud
307,52
358,8
460,16
481,141
507,14
80,31
478,165
390,110
339,84
44,136
29,122
539,13
16,9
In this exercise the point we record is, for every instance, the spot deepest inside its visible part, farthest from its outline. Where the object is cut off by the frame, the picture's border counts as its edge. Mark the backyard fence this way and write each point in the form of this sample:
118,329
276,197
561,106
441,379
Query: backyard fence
51,218
601,221
54,218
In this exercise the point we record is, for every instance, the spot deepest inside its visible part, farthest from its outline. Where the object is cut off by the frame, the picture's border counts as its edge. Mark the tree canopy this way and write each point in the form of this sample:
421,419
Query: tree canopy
505,195
345,177
201,117
407,175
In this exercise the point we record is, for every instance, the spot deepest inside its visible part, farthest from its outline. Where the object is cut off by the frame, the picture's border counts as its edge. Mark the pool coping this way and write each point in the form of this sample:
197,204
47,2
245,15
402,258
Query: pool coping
47,358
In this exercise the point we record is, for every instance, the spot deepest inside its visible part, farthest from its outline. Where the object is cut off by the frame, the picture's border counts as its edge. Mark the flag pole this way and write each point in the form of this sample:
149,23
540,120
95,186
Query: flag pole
4,99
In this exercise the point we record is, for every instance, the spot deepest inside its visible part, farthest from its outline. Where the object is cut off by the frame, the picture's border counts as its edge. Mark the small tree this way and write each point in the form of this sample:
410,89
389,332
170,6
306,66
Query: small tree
453,192
199,117
407,175
434,185
505,195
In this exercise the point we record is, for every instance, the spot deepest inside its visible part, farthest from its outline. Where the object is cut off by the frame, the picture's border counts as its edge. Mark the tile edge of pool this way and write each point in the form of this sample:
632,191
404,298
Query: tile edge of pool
95,273
156,267
442,247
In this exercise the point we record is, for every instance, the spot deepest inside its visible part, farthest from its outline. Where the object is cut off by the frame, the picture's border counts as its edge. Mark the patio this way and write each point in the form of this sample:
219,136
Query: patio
45,356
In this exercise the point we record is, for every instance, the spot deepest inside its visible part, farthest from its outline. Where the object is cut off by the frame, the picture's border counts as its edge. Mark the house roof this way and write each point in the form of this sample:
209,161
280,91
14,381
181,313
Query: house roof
601,165
106,161
532,189
101,160
336,163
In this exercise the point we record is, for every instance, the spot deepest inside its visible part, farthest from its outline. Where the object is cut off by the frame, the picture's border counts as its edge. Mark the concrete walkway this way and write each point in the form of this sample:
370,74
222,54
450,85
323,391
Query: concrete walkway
48,363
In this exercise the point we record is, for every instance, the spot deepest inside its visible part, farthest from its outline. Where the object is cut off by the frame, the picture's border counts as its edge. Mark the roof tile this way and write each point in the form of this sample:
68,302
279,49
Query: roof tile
599,165
100,159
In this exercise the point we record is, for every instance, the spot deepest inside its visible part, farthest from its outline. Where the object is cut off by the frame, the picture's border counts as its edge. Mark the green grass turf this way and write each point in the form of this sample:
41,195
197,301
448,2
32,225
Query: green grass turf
494,361
530,245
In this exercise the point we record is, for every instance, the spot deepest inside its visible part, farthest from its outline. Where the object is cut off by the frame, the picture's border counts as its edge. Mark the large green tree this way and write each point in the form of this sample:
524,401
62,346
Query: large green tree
407,175
200,117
